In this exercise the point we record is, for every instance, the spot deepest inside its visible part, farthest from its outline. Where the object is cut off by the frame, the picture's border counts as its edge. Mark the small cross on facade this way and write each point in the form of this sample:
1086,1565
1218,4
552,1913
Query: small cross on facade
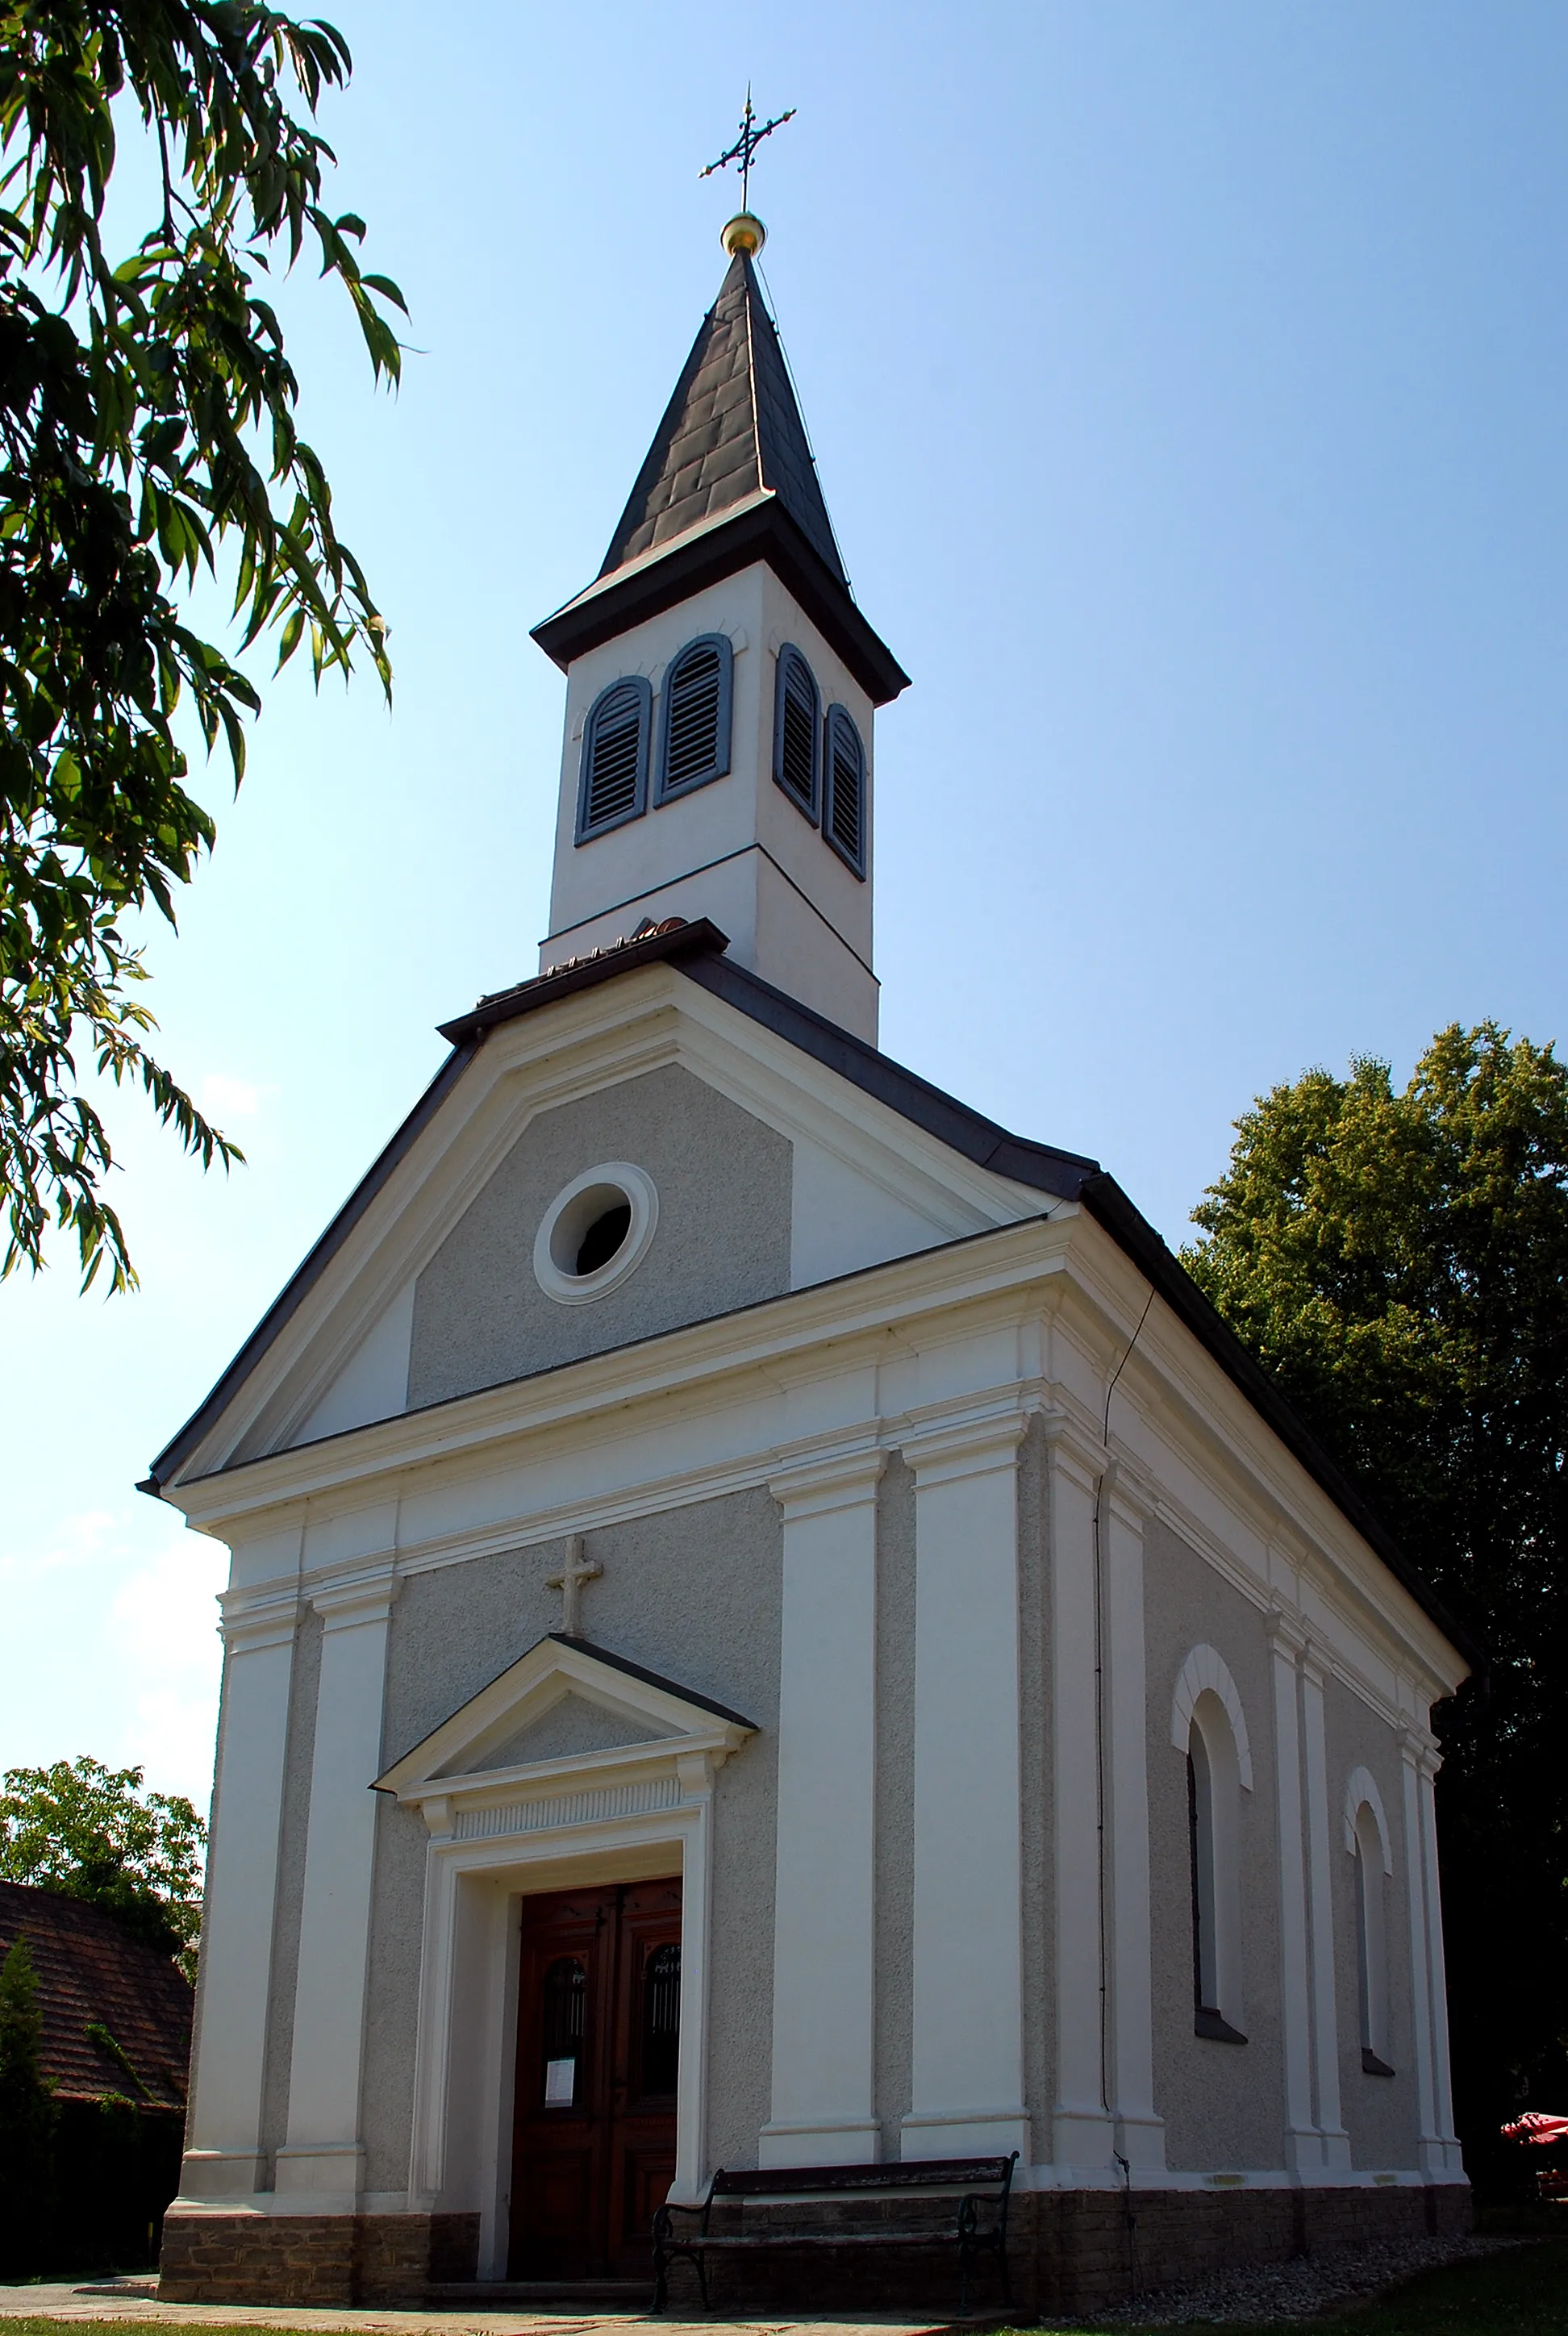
569,1582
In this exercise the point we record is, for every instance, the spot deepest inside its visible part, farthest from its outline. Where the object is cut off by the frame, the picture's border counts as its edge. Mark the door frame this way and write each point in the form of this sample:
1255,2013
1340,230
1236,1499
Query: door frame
467,2041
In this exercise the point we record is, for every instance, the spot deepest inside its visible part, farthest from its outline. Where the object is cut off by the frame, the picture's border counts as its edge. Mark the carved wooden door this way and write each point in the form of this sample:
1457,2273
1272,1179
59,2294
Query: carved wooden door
598,2041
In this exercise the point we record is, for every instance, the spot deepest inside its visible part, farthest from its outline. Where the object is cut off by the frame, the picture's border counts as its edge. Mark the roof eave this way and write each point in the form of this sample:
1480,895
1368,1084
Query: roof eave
760,529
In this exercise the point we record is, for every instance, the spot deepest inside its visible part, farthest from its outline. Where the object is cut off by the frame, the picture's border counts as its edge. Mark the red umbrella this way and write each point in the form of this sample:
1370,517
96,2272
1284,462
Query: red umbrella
1535,2126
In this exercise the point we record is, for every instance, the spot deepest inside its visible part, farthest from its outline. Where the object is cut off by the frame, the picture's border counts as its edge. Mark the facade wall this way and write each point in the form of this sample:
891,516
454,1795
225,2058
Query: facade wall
723,1241
895,1814
1222,2103
1380,2113
293,1834
689,1592
1039,1896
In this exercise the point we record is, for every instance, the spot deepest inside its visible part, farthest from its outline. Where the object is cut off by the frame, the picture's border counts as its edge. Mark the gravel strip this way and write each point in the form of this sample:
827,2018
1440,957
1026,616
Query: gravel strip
1297,2290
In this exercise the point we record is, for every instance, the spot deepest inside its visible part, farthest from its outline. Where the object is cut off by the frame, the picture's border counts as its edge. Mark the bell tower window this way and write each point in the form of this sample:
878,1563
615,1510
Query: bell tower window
613,786
797,734
844,773
694,744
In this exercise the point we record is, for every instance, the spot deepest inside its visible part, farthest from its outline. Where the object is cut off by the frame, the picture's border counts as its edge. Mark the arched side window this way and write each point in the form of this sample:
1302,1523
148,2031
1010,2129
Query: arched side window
797,731
844,777
1208,1726
1366,1839
695,723
613,784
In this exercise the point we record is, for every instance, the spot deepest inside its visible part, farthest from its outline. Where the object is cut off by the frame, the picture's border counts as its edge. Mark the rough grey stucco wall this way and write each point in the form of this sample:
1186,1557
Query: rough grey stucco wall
723,1239
1381,2114
692,1593
571,1726
895,1815
294,1828
1224,2104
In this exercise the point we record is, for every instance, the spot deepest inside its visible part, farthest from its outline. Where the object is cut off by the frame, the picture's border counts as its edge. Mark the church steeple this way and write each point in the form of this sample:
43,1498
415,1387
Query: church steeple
721,687
731,432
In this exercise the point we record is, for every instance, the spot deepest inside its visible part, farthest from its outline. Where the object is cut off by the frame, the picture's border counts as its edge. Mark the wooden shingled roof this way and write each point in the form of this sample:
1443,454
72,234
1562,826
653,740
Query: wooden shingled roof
92,1973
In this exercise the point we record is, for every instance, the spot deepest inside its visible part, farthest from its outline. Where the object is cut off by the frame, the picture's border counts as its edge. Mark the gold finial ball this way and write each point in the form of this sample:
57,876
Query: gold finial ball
745,232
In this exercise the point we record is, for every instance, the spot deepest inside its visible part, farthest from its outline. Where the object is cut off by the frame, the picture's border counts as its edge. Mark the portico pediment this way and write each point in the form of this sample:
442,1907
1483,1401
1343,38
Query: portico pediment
565,1714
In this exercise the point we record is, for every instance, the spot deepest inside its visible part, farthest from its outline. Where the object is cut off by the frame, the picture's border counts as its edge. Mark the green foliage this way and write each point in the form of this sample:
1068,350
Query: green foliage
1399,1260
89,1832
147,419
27,2112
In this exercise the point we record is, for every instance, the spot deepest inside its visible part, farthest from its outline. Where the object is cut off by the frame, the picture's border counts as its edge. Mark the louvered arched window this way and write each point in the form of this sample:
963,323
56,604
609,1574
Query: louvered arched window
613,787
844,777
797,733
694,730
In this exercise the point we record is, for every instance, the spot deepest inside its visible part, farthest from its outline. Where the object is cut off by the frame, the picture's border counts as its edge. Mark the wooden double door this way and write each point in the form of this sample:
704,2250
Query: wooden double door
597,2049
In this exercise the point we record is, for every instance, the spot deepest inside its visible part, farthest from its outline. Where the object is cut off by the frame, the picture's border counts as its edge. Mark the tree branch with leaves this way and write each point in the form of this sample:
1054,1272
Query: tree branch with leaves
148,422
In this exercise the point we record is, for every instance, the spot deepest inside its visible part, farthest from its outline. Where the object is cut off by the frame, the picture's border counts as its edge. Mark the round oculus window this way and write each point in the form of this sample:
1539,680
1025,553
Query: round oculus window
595,1232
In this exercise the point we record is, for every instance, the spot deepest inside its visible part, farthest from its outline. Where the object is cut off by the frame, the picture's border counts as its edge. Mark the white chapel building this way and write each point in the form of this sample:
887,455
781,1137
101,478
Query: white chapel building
770,1624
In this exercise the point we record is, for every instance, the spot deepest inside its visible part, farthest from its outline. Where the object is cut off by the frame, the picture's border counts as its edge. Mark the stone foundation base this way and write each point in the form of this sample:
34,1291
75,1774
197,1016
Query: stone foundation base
327,2259
1069,2250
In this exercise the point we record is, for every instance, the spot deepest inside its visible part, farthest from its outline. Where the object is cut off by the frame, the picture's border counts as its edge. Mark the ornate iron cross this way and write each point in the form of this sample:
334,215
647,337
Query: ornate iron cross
746,146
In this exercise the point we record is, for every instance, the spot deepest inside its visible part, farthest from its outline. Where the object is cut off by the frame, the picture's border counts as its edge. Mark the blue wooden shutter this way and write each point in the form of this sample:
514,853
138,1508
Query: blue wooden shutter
694,742
797,733
614,782
844,773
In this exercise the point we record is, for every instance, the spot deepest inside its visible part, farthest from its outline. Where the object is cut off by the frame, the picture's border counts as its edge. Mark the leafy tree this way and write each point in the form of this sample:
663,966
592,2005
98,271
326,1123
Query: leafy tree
1399,1258
89,1832
27,2115
147,423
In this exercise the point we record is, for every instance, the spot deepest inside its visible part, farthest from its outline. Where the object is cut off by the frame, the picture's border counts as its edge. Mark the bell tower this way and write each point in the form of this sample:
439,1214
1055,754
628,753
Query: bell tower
721,687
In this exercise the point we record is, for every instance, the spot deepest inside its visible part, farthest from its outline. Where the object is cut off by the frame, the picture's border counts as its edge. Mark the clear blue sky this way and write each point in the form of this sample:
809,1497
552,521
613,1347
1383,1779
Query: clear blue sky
1188,388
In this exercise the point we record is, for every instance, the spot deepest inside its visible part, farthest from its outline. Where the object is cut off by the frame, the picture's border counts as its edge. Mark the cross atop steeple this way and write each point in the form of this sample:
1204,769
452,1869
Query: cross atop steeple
746,146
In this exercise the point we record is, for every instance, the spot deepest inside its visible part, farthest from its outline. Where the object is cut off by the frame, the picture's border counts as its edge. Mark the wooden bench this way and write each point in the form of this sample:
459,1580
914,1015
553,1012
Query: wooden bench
977,2188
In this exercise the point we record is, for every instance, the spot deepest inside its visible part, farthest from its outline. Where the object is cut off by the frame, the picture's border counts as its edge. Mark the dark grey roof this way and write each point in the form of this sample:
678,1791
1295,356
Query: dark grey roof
733,429
729,481
699,950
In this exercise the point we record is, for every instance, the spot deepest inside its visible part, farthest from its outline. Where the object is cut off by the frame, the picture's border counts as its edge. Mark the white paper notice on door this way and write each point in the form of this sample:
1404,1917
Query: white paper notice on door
559,2083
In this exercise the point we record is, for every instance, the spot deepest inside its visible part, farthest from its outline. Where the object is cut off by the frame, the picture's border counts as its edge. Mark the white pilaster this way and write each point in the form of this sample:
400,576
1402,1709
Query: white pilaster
1303,2144
223,2158
323,2156
1336,2141
1082,2136
1432,2150
1427,1764
1140,2133
824,1944
968,2072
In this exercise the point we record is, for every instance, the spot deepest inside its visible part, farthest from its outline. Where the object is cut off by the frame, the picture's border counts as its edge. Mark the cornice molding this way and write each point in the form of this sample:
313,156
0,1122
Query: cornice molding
980,1446
248,1622
368,1597
838,1480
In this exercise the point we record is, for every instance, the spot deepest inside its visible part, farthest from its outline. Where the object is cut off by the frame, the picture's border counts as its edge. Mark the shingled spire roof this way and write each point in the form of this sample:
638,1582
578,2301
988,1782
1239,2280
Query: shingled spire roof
728,480
731,429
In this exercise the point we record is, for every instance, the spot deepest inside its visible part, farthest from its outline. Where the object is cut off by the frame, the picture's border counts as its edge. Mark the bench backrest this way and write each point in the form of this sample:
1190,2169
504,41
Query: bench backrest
972,2174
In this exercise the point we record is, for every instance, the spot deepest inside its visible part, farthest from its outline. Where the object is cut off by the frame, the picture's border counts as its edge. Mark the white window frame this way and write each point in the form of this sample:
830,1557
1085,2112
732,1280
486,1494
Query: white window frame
1209,1726
1367,1840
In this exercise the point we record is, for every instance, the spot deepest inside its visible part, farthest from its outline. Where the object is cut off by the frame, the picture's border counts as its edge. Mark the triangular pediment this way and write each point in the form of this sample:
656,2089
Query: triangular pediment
565,1706
774,1170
